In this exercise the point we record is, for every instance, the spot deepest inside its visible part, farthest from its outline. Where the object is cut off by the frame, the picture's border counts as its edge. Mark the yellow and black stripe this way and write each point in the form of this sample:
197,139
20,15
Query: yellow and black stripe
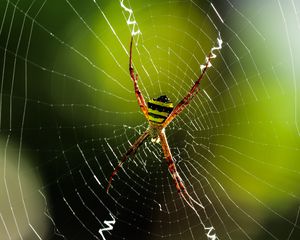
159,109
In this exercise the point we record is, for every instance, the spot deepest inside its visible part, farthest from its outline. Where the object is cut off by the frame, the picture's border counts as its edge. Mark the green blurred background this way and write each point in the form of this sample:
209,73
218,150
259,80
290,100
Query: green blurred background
65,86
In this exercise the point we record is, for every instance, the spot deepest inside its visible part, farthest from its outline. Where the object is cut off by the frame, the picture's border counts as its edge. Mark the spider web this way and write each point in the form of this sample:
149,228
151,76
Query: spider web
68,113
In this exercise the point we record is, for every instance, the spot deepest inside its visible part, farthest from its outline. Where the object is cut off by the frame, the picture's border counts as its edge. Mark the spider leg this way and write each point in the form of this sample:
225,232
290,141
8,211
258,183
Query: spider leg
134,77
131,151
175,175
194,90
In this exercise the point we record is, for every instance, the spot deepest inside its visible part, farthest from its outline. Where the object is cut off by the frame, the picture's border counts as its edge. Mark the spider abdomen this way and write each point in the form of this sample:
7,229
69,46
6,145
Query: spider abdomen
159,109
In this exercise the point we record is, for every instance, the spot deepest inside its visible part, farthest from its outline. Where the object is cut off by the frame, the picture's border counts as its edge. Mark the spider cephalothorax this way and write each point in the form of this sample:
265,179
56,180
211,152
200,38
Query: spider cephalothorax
160,112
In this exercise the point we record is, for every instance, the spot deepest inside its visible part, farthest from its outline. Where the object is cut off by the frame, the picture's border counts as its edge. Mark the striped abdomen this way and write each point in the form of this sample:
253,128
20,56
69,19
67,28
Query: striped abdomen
159,109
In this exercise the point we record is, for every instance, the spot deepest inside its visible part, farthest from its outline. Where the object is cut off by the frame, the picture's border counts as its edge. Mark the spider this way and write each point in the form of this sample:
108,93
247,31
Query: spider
160,112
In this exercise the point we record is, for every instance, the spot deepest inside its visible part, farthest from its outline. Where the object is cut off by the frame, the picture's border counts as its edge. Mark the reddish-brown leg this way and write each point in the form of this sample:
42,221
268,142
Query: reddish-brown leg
187,99
130,152
175,175
134,77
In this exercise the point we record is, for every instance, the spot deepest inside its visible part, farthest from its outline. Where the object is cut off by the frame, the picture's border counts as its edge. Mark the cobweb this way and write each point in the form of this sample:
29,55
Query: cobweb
68,113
